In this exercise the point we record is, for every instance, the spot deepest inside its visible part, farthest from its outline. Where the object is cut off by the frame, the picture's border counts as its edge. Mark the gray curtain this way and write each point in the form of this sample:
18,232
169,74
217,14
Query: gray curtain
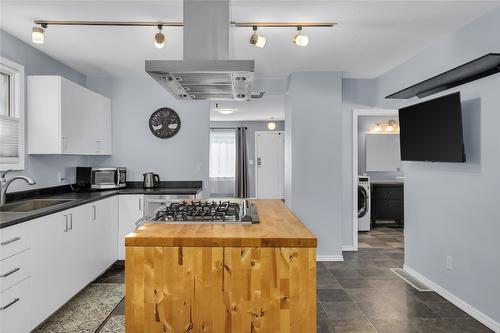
241,182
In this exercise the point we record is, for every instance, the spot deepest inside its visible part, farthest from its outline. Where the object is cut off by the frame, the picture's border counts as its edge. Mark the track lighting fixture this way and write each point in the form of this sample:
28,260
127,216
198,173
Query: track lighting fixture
257,40
300,39
159,38
38,34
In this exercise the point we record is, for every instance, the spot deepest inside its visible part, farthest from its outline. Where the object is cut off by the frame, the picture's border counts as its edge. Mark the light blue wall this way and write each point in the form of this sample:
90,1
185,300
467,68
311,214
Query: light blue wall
252,127
43,169
451,209
313,155
182,157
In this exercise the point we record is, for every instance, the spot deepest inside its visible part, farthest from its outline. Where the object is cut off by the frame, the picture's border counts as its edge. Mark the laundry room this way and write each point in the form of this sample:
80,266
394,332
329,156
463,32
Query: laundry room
380,179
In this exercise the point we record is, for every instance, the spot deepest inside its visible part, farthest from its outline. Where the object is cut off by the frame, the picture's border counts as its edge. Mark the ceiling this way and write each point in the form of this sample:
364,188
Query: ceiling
265,108
371,36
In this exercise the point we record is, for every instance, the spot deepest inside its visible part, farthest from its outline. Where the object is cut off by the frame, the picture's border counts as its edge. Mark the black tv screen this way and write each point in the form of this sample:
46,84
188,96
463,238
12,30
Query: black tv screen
432,130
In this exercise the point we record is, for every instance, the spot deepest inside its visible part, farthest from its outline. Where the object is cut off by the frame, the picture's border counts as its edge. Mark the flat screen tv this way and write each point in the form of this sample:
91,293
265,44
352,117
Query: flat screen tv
432,130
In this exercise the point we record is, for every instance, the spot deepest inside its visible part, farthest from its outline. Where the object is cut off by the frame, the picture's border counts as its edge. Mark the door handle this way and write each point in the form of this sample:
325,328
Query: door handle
66,223
140,204
4,275
12,240
70,221
259,161
94,213
10,304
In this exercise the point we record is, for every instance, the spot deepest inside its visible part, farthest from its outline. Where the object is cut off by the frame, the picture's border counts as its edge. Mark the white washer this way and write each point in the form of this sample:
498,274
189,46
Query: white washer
364,216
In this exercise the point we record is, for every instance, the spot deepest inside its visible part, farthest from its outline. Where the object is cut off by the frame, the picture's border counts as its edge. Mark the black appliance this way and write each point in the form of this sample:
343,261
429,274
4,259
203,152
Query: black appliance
432,130
100,178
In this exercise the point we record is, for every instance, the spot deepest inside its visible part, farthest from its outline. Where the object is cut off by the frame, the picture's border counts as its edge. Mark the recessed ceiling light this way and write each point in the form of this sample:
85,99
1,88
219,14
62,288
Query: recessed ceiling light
257,40
38,35
300,39
226,111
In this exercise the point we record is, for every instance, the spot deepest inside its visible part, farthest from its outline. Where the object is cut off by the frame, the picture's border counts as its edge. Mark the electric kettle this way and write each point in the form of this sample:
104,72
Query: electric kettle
151,180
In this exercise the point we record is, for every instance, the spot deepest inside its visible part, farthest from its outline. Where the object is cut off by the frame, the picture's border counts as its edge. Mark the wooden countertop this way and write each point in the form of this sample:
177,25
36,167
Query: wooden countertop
278,227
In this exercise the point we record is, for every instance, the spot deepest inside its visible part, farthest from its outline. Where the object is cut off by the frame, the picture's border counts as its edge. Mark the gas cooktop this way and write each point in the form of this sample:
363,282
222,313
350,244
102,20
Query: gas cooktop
206,212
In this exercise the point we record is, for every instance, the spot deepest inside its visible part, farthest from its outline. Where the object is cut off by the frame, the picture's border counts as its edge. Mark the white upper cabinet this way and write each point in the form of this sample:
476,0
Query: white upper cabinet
66,118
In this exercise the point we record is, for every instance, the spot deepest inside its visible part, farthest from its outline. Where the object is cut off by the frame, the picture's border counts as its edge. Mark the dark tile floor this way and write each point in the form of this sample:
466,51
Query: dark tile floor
362,295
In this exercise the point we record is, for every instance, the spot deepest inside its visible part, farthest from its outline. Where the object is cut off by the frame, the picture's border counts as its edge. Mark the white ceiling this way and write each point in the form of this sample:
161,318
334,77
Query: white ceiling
265,108
371,37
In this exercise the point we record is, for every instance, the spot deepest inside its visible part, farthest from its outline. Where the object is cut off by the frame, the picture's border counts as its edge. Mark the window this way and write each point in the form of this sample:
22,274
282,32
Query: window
11,115
222,162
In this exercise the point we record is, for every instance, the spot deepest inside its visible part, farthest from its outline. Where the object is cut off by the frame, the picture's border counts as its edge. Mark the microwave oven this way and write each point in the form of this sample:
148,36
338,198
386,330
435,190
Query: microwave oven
100,178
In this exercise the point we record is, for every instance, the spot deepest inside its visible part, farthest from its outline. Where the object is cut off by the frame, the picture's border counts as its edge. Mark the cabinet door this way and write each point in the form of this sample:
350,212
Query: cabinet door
131,208
50,269
104,221
101,113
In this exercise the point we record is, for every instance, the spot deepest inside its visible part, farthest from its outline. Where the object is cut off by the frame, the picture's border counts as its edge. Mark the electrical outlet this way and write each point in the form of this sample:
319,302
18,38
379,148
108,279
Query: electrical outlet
449,263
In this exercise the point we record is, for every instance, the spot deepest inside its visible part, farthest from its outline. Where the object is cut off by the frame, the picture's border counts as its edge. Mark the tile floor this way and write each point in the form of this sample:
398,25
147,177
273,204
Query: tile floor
362,295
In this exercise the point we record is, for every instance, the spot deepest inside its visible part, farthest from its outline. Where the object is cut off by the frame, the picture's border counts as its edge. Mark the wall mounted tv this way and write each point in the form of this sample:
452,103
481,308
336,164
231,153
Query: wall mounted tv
432,130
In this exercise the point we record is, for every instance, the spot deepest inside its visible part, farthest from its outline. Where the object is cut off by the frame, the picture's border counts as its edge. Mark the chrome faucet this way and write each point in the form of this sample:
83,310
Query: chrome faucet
4,184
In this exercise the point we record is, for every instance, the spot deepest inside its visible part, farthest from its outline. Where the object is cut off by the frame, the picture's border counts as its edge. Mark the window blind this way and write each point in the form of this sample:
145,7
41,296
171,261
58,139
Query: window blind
9,139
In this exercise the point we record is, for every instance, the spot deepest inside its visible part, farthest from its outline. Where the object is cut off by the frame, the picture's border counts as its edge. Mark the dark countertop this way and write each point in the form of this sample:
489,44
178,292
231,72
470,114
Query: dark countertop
8,219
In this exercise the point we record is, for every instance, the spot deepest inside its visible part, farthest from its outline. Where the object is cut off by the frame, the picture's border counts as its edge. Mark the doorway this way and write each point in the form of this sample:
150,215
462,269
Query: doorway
222,166
377,178
270,162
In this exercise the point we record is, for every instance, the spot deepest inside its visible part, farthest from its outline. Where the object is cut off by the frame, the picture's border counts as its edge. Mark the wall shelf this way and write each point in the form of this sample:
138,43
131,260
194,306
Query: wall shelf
476,69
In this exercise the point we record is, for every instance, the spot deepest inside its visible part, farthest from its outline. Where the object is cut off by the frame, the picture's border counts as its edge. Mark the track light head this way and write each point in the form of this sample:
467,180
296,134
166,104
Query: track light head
300,39
257,40
159,38
38,35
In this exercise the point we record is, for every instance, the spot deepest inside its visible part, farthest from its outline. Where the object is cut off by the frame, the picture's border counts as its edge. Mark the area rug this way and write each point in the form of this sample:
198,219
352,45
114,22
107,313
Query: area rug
85,312
115,324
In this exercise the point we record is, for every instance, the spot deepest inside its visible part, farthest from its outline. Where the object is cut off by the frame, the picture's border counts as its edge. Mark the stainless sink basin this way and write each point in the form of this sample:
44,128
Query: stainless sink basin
30,205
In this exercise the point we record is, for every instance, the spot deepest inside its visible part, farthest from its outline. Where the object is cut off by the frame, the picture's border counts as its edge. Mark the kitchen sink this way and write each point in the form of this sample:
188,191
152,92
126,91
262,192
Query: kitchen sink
33,204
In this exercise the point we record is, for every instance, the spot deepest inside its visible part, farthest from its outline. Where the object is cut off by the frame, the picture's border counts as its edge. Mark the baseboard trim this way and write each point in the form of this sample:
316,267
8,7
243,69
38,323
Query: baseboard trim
348,248
472,311
338,257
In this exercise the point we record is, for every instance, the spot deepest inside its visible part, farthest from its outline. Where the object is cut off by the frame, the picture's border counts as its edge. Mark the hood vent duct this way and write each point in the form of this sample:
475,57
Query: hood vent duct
205,73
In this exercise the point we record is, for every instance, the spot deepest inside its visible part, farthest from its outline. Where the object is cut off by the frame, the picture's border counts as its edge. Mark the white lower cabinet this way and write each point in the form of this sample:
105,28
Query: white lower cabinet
131,208
15,308
70,249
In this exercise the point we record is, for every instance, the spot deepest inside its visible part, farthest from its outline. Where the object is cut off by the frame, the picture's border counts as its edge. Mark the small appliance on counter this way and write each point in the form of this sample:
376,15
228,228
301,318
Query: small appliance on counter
100,178
151,180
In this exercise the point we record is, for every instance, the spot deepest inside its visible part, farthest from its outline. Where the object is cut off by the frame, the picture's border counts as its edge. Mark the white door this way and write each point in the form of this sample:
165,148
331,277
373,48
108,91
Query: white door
270,169
130,209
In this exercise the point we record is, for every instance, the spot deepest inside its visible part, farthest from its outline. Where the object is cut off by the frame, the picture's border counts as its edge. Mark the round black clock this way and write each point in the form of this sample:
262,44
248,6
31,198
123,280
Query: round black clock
164,123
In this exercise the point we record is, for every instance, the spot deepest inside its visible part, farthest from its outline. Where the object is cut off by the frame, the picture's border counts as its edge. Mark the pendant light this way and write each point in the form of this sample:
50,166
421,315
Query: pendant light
159,38
257,40
300,39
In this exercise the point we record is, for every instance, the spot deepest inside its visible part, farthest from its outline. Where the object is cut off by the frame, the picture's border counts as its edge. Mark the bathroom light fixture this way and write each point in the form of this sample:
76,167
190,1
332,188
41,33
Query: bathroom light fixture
300,39
377,128
389,129
226,111
391,124
38,34
257,40
159,38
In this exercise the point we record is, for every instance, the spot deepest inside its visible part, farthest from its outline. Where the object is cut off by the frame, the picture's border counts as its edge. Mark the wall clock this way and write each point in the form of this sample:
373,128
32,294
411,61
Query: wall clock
164,123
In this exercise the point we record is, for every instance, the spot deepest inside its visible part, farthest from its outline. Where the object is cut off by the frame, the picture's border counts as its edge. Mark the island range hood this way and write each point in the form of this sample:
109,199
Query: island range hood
206,73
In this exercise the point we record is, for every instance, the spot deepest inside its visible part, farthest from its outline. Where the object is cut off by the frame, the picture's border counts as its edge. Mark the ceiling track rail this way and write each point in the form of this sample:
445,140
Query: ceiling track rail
283,24
45,23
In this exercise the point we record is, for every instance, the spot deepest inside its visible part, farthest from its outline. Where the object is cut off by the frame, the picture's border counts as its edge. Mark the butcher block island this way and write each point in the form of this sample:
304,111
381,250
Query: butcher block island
194,277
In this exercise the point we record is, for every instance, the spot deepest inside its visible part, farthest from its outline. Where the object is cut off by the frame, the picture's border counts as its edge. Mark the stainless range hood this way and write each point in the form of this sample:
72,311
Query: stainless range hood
205,73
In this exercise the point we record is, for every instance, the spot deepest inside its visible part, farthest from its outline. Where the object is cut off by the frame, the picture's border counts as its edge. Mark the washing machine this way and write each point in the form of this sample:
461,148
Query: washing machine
364,220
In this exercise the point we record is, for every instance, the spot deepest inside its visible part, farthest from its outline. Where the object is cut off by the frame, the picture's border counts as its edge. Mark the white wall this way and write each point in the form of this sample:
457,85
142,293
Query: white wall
182,157
44,169
451,209
313,155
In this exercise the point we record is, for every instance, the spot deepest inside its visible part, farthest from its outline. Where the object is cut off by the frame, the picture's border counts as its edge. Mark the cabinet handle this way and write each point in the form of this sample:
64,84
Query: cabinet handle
9,241
10,304
94,213
66,223
4,275
70,221
140,204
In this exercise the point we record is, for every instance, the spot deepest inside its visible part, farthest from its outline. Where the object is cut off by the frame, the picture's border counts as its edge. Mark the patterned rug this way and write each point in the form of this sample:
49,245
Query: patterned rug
115,324
85,312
